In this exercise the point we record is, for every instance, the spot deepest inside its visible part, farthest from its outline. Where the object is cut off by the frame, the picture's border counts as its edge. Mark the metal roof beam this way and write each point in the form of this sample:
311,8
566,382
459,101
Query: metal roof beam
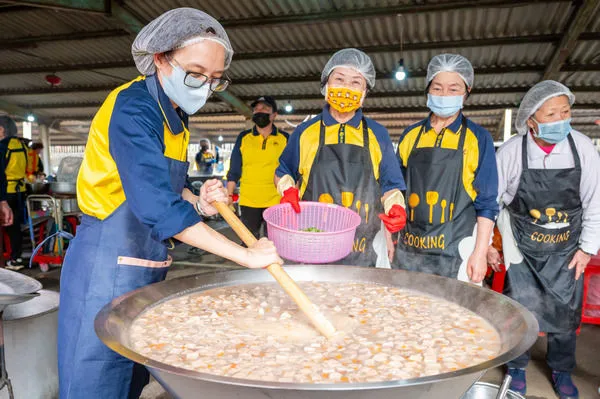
550,38
437,45
380,94
293,79
360,13
32,41
6,8
236,102
415,74
125,17
20,112
13,109
67,67
88,6
58,90
583,14
384,75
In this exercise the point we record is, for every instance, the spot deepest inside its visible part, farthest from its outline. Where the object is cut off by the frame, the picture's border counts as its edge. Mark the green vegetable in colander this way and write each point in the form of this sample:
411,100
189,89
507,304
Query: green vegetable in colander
312,230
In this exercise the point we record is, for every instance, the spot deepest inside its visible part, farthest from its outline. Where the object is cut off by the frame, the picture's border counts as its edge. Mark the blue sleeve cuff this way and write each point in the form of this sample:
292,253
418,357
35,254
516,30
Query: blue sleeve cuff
167,226
487,213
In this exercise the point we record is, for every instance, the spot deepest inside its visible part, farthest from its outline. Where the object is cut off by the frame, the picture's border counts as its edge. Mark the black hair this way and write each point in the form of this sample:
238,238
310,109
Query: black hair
9,125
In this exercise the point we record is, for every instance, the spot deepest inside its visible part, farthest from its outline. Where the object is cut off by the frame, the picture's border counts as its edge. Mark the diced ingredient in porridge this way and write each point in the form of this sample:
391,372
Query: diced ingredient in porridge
256,332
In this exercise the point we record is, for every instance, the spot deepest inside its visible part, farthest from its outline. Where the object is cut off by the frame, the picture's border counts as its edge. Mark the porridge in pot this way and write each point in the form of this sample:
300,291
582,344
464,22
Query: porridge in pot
257,332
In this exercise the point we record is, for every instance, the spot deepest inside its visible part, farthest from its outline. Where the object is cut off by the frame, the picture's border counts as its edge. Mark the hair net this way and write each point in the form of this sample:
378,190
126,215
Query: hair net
9,125
536,97
451,63
350,58
175,29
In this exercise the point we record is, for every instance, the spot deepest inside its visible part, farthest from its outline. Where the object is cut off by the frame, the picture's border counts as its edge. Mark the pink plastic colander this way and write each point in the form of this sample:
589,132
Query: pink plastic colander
338,226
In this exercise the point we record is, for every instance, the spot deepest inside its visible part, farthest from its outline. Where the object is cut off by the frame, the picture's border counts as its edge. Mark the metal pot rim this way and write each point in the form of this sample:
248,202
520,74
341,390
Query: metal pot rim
137,296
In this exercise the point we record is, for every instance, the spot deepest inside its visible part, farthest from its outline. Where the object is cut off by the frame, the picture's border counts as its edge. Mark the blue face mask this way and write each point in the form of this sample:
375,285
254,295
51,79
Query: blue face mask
553,132
444,106
189,99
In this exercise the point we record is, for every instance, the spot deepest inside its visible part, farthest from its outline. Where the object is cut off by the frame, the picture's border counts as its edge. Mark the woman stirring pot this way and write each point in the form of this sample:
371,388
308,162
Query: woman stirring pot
131,191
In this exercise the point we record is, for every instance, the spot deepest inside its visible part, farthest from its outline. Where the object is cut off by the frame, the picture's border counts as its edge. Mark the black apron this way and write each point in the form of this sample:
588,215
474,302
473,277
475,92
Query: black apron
542,282
343,174
440,213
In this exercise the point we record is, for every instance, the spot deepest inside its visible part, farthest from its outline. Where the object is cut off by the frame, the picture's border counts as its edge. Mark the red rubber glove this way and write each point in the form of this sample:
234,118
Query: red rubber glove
291,196
395,220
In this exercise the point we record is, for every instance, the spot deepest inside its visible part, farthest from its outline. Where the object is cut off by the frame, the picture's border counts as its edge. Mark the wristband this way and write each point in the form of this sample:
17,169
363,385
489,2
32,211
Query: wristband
199,210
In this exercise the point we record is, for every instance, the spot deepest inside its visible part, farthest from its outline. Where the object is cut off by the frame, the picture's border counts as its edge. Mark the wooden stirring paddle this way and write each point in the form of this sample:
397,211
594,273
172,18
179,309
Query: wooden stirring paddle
320,322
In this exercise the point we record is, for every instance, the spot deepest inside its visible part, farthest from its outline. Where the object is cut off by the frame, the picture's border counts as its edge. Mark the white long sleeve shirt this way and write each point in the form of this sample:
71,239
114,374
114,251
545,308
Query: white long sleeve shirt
510,166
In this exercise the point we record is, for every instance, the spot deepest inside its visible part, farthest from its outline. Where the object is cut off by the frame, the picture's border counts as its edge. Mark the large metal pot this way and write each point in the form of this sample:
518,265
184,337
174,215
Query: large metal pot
30,331
518,330
69,205
38,187
63,187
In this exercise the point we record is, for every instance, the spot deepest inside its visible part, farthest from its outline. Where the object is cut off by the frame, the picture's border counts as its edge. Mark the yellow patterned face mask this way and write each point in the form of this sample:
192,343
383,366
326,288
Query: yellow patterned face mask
343,99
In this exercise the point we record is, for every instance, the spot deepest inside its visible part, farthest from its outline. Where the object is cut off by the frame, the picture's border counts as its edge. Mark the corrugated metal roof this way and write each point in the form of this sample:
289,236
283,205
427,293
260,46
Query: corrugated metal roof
43,21
586,53
507,55
386,85
114,77
415,28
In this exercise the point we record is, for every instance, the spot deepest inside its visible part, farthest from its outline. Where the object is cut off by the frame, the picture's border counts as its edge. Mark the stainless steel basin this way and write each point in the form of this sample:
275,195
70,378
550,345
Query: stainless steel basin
483,390
518,330
16,288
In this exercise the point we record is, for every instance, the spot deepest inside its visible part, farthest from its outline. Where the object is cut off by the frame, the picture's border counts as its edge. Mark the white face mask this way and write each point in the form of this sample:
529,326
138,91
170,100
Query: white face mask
189,99
444,106
553,132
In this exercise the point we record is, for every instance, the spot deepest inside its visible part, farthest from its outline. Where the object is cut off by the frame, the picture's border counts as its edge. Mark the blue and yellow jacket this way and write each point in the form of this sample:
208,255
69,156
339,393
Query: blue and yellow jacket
130,140
480,176
14,157
2,175
298,157
253,163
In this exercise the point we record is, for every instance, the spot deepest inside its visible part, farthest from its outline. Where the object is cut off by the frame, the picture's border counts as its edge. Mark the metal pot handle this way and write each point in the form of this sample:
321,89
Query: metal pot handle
504,387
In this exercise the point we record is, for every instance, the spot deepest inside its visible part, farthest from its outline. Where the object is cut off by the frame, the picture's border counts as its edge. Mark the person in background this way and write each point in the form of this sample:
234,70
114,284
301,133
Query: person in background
35,166
205,159
449,165
131,191
14,155
254,159
342,157
6,215
549,187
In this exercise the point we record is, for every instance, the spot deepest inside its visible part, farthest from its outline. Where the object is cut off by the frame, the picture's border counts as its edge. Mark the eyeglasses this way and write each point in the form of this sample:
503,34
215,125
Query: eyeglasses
196,79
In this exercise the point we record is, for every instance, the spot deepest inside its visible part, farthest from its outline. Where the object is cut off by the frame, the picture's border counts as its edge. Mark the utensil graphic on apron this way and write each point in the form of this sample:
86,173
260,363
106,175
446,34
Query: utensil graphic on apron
542,282
430,241
344,172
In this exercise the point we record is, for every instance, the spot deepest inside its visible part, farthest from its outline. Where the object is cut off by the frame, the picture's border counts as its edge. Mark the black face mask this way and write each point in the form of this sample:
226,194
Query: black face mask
204,148
262,119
